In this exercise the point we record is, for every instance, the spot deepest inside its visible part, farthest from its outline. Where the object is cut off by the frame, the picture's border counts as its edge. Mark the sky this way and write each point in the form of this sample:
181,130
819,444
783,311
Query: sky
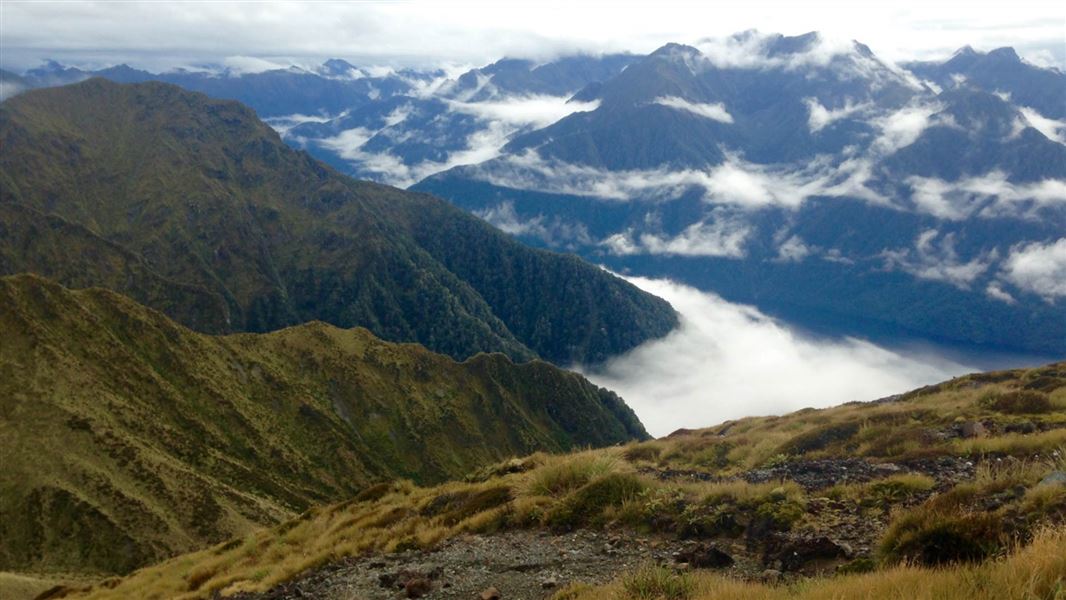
163,35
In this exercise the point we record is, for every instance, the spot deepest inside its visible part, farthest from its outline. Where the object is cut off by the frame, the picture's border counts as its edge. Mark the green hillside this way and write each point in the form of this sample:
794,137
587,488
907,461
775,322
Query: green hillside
173,196
951,492
127,438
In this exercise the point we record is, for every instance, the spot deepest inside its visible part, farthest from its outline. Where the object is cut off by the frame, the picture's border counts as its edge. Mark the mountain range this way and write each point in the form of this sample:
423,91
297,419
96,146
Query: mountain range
214,335
195,207
923,201
128,438
845,194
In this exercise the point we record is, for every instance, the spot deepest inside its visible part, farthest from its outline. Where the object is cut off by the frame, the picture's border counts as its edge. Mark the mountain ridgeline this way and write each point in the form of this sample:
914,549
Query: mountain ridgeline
195,207
128,438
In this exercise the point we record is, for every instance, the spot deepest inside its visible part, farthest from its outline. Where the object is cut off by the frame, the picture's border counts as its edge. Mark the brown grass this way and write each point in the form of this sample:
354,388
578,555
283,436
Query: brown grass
1035,572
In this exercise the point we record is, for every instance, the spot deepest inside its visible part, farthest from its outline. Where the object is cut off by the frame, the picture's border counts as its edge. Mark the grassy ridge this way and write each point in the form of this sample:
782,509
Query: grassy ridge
199,192
128,438
740,486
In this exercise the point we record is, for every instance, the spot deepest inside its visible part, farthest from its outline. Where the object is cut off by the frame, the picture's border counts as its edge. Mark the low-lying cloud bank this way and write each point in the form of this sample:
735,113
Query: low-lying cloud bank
728,361
714,112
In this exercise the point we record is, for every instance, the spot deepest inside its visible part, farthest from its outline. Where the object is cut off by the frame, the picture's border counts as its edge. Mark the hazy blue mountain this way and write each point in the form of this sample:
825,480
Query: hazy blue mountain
1000,70
813,180
803,175
334,87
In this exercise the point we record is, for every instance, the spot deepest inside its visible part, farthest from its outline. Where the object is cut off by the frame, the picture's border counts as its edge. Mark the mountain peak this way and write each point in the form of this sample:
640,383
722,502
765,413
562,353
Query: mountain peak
674,49
1005,53
782,44
337,66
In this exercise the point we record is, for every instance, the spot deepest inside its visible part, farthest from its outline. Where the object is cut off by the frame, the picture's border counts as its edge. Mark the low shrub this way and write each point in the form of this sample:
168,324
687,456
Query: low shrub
569,473
895,489
586,505
653,582
933,538
820,438
643,453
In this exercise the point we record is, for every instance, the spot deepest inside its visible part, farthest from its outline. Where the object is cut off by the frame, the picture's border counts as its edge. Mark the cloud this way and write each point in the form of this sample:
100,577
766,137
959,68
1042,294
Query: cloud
554,232
934,258
821,116
988,195
715,112
9,89
241,65
722,236
499,120
902,128
728,361
751,50
523,111
284,124
735,182
151,34
1038,268
348,143
996,292
794,250
1052,129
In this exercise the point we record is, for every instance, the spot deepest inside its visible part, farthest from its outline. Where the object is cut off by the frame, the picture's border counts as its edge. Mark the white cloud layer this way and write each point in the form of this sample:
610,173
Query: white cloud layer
988,195
728,361
715,112
710,237
478,32
523,111
735,182
934,258
821,116
240,65
1052,129
554,232
1038,268
500,119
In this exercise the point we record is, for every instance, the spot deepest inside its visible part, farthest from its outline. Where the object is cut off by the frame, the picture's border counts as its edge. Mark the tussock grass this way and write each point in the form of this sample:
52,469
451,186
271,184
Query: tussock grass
654,582
883,492
563,474
1013,444
1037,571
999,510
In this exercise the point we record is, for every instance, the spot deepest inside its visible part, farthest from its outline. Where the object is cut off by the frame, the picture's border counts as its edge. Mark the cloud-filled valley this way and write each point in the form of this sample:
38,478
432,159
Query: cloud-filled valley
729,361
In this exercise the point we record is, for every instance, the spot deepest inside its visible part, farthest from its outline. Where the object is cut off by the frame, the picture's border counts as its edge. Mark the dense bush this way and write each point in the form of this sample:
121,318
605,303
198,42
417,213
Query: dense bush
932,538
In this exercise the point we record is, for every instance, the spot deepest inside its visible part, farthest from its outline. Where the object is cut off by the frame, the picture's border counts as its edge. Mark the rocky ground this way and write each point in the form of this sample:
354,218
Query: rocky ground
835,533
518,565
532,565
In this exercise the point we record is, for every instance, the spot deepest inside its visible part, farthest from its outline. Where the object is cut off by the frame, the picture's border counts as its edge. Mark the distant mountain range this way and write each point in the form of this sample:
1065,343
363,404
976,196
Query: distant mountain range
841,192
195,207
127,438
813,180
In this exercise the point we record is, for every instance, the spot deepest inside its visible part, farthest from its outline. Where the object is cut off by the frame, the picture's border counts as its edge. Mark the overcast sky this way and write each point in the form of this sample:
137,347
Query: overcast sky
162,35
